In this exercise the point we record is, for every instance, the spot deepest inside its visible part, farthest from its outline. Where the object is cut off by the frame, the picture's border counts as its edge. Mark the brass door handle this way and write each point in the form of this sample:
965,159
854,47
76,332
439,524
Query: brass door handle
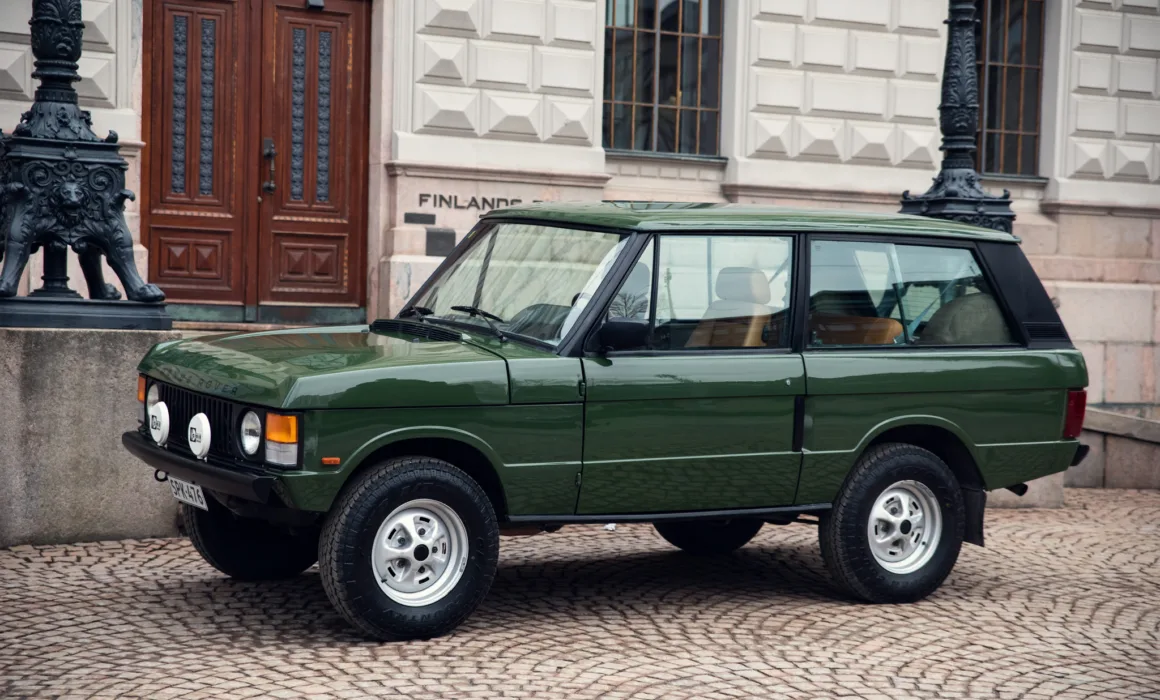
268,152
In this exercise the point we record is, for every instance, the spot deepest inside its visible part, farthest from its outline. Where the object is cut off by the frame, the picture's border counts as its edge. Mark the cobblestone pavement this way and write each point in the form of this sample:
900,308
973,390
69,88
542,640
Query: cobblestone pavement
1061,603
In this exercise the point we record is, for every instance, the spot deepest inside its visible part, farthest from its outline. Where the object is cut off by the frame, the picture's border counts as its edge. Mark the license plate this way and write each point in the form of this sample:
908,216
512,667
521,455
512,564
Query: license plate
188,493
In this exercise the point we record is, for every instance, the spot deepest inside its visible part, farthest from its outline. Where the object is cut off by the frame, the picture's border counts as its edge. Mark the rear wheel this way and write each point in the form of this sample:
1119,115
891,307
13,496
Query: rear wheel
248,549
895,530
410,549
709,537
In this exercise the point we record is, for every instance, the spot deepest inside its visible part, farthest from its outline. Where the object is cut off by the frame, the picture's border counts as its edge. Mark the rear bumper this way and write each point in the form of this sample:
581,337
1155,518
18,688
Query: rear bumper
251,487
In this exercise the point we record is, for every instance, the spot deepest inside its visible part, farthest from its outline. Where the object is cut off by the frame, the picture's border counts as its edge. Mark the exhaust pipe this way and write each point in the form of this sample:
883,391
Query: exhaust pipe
1018,489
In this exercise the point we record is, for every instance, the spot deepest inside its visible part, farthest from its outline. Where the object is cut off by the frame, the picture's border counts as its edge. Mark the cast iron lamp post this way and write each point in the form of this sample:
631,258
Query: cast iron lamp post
956,193
63,187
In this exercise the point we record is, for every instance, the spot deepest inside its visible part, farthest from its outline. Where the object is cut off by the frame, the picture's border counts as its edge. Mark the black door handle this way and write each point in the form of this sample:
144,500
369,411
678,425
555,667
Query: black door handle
269,152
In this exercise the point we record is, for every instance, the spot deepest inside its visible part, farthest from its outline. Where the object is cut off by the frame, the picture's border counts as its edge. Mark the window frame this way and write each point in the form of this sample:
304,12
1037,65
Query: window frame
983,65
1016,329
588,347
610,103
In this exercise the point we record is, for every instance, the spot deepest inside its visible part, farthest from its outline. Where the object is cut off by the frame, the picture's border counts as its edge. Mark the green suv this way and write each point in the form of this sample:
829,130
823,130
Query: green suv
705,368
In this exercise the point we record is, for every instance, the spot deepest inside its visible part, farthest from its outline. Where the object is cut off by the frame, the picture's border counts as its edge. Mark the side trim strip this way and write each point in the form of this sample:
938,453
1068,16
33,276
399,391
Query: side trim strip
655,517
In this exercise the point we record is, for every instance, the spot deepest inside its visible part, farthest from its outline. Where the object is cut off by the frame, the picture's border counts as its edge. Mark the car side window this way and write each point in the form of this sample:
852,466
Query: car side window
865,293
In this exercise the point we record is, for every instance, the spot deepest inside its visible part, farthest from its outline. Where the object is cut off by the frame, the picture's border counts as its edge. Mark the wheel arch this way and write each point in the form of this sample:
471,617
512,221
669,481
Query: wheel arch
462,449
948,442
938,435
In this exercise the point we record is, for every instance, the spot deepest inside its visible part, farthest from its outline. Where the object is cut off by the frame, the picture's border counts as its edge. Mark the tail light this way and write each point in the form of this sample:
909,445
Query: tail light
1076,405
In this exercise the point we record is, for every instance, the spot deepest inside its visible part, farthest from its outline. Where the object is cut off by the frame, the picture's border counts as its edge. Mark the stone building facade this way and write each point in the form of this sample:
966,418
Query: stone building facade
457,106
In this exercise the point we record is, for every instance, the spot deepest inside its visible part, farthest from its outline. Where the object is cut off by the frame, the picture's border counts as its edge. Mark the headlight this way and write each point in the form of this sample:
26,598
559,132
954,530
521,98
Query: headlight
152,397
251,433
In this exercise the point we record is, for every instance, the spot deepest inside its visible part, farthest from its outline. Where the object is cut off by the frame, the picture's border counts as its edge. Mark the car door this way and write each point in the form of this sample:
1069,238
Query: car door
701,415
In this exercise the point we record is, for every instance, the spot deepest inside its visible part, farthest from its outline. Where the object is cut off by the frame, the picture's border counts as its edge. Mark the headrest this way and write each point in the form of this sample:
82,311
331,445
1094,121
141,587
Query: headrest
743,284
639,281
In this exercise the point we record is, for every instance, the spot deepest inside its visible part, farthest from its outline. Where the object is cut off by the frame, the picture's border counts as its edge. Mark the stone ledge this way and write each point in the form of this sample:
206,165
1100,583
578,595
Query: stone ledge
1110,422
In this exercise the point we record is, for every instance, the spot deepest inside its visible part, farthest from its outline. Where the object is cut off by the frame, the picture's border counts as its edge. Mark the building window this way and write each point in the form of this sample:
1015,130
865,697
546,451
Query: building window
1009,46
662,76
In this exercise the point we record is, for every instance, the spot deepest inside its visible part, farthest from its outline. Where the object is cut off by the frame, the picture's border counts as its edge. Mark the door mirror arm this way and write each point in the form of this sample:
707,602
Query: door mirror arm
621,334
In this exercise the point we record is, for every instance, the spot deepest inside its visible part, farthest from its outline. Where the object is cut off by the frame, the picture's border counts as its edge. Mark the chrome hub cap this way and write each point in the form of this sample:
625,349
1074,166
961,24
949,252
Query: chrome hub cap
420,552
905,527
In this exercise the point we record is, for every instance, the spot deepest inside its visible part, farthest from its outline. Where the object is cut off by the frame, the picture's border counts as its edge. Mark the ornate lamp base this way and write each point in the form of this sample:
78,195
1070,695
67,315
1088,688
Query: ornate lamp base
957,196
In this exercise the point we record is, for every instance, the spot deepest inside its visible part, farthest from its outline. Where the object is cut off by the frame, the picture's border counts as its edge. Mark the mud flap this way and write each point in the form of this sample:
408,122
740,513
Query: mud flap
975,505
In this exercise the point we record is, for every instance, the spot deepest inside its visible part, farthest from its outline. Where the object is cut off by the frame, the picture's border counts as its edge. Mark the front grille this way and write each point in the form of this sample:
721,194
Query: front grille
183,405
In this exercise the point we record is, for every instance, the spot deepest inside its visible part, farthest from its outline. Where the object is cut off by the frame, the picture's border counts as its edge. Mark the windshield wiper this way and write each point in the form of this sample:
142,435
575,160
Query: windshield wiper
420,311
488,317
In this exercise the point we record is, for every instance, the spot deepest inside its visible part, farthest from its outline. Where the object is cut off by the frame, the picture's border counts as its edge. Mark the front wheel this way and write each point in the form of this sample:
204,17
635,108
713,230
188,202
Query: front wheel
409,550
895,530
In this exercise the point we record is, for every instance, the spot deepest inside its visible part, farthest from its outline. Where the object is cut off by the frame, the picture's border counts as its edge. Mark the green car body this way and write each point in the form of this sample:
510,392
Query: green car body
554,437
807,372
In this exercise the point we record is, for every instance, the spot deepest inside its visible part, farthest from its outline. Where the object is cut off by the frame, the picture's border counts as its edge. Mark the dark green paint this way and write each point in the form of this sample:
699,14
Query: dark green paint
1001,399
674,218
342,367
534,449
690,432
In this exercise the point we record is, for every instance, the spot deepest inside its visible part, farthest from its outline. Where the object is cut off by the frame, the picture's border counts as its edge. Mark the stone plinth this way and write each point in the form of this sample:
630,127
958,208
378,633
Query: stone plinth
65,398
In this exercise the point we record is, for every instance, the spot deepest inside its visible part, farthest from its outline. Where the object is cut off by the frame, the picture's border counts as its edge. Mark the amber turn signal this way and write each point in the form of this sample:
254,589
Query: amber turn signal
331,461
283,429
141,388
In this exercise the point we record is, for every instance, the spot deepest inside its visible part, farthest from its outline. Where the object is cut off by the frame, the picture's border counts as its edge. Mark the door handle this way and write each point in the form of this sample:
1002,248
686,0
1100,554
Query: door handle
269,152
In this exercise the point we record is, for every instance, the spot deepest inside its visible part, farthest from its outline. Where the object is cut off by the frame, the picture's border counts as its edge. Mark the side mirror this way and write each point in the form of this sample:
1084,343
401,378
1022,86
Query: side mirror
622,334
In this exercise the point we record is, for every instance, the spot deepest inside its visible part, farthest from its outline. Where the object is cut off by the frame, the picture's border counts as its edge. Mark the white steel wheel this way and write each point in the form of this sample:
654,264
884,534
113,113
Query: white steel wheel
905,526
420,552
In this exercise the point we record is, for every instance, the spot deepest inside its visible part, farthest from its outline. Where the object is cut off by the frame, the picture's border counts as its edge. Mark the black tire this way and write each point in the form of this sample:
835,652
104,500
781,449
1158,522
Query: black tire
248,549
709,537
843,533
348,538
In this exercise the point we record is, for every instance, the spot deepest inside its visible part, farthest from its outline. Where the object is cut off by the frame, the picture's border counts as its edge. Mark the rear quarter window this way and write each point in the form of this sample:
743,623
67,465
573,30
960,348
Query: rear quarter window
883,293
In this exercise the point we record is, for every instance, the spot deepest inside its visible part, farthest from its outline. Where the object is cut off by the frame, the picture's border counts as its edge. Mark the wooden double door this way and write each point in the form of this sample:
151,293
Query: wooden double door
256,176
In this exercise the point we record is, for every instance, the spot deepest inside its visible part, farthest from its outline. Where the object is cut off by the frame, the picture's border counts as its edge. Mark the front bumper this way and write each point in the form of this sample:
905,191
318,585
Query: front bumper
249,486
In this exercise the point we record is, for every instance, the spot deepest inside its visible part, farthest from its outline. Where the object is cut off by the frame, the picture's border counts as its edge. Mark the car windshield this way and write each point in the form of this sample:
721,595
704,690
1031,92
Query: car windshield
526,280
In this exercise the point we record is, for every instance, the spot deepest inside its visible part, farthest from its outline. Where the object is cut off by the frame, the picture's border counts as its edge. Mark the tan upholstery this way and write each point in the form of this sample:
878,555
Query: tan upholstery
974,319
738,318
854,330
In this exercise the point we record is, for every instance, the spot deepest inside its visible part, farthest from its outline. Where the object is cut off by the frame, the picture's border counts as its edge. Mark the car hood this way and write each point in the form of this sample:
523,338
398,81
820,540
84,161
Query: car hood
346,367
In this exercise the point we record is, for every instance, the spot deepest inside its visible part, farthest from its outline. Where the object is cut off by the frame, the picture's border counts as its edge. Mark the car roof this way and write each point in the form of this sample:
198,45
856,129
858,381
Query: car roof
676,217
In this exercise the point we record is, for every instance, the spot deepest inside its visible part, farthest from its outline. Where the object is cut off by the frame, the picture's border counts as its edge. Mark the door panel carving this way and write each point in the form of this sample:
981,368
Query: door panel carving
228,219
195,182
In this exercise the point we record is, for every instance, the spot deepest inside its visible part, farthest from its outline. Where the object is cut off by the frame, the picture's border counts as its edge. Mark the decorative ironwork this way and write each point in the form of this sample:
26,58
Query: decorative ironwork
957,194
60,185
297,113
322,186
180,69
205,158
